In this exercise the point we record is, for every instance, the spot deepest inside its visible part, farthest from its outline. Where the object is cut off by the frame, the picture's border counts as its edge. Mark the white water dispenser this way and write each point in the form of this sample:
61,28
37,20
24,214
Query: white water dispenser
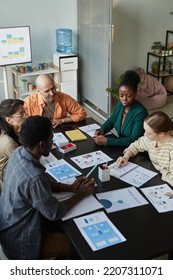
68,65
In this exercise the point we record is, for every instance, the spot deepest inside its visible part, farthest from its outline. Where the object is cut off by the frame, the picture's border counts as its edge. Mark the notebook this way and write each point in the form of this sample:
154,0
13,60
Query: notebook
75,135
132,173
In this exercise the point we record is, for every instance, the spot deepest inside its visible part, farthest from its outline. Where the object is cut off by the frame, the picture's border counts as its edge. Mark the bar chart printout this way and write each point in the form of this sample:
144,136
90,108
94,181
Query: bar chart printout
15,45
99,231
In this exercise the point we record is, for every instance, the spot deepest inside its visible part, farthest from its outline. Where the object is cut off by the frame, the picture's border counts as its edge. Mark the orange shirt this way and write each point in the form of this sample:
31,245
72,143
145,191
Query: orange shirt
64,105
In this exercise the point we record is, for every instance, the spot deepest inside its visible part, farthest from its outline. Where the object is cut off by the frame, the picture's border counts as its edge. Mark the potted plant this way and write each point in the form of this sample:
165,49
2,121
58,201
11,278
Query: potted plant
163,50
156,47
155,67
168,65
114,90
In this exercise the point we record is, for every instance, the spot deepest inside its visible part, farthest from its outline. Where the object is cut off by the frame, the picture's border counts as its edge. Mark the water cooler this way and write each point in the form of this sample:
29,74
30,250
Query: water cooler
68,65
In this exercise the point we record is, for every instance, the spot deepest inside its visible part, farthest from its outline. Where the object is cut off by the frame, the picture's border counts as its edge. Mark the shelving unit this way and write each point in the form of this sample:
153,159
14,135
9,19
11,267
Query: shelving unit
168,82
20,81
163,74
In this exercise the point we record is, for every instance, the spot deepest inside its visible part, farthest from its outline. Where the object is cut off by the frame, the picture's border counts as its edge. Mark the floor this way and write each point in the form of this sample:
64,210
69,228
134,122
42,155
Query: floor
168,109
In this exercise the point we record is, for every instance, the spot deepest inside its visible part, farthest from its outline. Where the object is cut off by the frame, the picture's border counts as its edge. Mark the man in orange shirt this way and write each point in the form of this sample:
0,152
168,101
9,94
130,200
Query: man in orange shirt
57,106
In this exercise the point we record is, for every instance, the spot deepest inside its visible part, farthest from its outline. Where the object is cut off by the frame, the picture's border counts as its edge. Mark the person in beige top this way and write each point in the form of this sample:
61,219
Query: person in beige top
12,115
158,142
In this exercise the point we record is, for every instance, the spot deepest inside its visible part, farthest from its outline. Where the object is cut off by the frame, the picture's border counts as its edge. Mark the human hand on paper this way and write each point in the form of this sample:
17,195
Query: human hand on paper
100,140
121,161
99,132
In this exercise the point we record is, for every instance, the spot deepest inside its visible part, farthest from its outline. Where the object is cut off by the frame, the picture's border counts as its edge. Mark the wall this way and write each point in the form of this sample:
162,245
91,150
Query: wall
138,24
43,17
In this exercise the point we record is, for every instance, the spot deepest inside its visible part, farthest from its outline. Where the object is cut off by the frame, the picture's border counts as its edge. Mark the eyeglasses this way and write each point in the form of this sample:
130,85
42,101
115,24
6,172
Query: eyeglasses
21,115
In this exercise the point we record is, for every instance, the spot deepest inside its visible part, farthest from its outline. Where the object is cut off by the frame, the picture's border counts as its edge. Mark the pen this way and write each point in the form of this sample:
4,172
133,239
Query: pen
89,173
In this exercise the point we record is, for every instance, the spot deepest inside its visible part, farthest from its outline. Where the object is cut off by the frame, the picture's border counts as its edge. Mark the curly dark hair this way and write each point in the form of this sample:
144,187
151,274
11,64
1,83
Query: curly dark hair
8,107
35,129
131,79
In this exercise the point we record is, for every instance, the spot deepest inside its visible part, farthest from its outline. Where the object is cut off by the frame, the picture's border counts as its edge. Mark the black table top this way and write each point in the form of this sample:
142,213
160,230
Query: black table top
148,233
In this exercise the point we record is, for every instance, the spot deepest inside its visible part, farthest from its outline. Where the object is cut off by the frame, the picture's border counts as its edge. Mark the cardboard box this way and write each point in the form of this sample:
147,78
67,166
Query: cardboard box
67,148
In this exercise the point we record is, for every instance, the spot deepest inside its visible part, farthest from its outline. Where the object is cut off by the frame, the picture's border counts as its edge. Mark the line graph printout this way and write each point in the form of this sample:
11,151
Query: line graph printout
15,45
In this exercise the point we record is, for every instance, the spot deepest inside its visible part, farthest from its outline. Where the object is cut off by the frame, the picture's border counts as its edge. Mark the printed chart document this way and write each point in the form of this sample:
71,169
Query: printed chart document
63,171
99,231
90,129
49,161
121,199
91,159
88,204
161,196
132,173
120,171
60,170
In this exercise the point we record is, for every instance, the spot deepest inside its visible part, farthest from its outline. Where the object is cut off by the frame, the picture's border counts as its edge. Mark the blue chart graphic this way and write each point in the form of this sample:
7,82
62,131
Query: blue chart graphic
106,203
62,172
101,235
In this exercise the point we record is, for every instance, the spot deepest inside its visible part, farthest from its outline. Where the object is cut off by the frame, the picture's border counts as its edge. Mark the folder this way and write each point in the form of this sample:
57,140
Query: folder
75,135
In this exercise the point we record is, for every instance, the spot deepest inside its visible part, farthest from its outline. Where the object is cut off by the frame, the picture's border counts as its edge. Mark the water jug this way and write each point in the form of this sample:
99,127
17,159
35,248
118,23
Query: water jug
64,40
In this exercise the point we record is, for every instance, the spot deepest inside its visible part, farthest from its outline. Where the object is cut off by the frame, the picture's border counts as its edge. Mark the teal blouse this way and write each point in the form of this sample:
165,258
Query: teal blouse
132,127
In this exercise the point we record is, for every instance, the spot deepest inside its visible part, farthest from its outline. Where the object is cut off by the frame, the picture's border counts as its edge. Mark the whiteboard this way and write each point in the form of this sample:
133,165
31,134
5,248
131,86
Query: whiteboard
15,45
